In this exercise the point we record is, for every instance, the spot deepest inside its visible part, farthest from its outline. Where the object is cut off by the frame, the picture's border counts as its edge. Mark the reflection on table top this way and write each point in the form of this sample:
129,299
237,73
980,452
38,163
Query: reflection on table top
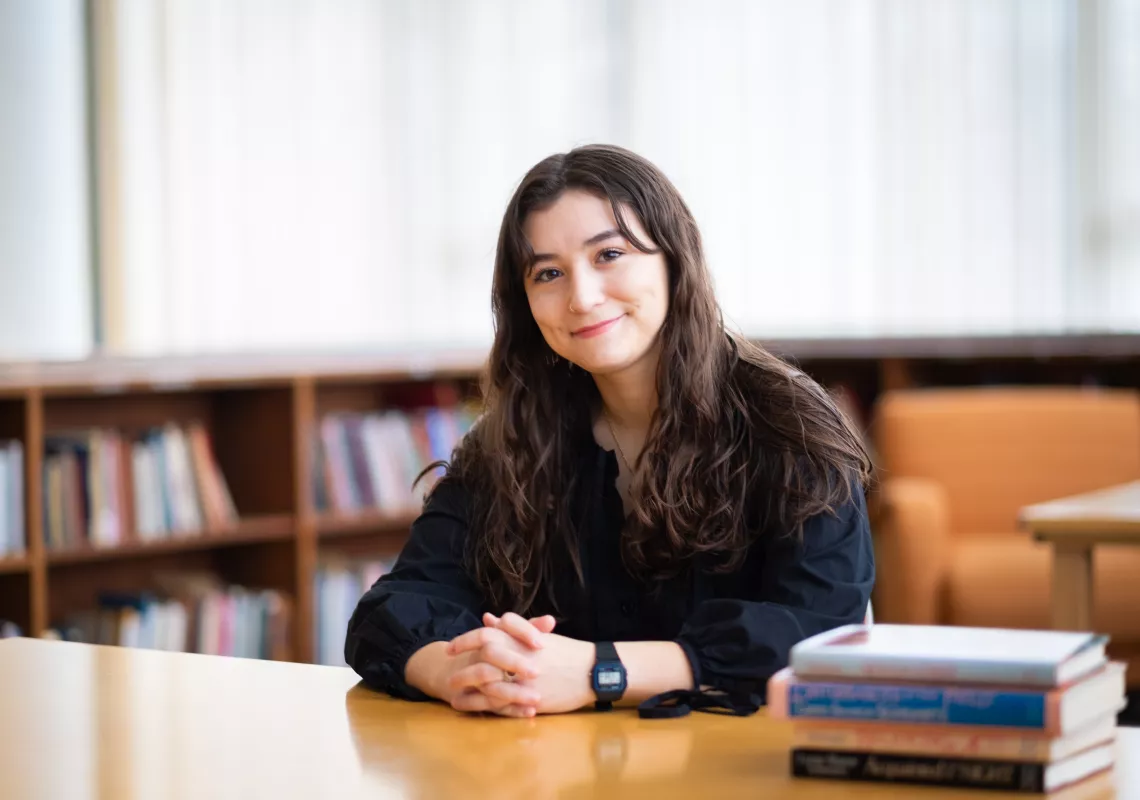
80,721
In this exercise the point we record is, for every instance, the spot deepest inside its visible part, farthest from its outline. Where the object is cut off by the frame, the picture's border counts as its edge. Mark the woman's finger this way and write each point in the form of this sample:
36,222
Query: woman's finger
505,692
493,663
520,629
517,711
473,640
522,665
545,623
474,676
473,700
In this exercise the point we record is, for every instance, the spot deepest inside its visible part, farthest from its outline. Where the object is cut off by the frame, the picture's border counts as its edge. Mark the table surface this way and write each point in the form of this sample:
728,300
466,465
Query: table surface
83,721
1111,514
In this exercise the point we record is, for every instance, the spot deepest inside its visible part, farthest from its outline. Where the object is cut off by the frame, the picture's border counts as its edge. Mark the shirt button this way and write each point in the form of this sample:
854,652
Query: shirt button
627,608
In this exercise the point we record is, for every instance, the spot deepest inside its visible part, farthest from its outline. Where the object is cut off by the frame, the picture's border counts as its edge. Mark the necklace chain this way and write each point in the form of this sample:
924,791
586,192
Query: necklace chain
615,438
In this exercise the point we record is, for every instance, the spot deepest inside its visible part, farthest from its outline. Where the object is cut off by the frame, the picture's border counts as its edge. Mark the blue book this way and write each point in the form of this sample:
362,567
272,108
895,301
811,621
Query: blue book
1052,711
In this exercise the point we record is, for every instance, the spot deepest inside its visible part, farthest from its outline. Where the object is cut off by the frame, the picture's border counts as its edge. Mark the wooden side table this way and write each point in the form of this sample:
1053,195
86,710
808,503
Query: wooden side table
1073,526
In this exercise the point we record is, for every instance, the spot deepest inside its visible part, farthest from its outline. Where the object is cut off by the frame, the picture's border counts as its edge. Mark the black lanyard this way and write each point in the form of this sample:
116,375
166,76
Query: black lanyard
679,702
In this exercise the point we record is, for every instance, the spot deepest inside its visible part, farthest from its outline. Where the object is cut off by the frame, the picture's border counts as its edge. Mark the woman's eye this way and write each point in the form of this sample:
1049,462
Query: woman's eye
609,254
546,275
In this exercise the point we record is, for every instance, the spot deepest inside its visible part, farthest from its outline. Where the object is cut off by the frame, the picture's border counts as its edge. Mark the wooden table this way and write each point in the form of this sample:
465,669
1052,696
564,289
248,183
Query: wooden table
1074,525
81,721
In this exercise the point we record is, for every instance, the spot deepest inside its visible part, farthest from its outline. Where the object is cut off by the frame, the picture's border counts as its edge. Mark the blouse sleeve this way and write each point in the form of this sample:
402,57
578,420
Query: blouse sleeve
803,587
428,596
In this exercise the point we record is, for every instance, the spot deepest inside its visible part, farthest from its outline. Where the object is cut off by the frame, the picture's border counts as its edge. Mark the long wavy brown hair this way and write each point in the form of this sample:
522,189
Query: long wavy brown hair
742,444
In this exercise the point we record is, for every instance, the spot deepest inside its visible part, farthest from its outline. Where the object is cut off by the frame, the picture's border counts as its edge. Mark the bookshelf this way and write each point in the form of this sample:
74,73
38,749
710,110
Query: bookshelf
263,416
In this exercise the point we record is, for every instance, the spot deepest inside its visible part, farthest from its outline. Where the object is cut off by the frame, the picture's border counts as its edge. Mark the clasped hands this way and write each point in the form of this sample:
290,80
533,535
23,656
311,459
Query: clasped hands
518,667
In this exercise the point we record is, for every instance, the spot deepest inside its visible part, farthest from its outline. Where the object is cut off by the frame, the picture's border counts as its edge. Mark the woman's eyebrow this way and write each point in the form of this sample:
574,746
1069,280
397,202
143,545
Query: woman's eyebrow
597,237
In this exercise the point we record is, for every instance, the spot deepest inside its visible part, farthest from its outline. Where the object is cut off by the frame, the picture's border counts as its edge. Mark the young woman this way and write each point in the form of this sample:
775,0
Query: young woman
649,502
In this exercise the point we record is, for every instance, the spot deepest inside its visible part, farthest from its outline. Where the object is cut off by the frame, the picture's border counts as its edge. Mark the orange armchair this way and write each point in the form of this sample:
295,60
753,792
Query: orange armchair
956,467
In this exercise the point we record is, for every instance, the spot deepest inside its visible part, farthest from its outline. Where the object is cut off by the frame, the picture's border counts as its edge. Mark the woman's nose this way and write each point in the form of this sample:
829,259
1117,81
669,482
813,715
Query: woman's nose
586,289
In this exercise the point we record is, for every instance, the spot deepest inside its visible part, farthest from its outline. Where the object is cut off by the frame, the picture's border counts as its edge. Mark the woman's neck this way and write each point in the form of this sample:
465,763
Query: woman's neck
629,397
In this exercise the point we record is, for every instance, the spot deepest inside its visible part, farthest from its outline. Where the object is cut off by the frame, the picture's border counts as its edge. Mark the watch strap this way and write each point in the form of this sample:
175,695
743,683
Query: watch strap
606,652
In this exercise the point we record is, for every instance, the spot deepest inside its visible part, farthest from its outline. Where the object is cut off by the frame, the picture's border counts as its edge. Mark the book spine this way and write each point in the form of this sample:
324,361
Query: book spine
932,771
923,741
920,704
829,665
16,531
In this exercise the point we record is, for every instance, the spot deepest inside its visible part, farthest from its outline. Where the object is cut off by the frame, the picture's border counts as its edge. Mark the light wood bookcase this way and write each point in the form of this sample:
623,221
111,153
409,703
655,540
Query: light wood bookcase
262,413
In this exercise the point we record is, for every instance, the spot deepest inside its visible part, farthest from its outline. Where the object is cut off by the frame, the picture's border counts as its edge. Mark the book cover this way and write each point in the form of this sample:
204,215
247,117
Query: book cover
958,741
1054,711
955,654
1011,776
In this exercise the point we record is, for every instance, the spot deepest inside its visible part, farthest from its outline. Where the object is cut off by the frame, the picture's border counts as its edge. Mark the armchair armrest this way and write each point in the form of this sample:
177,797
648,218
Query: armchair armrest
911,534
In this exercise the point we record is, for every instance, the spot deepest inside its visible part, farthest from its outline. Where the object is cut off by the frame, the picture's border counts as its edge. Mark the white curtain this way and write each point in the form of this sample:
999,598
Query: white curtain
45,222
1111,153
331,173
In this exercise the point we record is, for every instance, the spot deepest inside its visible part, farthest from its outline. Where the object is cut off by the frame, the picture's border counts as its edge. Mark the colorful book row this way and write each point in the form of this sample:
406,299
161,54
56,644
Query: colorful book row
12,537
102,489
203,616
371,461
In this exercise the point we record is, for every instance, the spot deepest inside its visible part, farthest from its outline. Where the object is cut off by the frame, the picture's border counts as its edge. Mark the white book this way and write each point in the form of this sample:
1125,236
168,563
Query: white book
396,498
950,653
102,522
6,536
17,535
372,437
189,509
142,470
176,627
130,624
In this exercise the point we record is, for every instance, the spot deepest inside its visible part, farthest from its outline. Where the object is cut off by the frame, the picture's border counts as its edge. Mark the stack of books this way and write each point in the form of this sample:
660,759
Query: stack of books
987,708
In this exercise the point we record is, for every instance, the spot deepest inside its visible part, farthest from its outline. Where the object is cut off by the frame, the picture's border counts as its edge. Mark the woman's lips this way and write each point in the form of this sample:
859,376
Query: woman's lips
596,330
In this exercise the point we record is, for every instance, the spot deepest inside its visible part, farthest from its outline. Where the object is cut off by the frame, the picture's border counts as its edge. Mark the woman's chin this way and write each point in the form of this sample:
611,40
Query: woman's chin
607,362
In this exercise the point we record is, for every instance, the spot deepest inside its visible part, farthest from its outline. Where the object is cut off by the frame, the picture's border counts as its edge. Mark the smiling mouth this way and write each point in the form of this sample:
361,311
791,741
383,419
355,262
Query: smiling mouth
594,330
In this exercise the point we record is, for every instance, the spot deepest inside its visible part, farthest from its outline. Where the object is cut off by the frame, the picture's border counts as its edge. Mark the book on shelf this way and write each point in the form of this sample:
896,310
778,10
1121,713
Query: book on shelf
12,537
1017,710
188,613
371,460
340,583
103,488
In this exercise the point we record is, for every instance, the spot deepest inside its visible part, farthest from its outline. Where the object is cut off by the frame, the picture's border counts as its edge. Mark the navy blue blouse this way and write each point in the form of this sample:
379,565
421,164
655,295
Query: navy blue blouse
736,629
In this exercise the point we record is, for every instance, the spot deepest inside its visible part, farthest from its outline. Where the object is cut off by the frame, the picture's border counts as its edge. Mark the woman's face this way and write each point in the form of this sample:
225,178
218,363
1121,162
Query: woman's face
599,301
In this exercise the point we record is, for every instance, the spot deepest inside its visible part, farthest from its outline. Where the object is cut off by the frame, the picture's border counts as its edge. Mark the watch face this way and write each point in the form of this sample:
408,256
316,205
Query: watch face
609,678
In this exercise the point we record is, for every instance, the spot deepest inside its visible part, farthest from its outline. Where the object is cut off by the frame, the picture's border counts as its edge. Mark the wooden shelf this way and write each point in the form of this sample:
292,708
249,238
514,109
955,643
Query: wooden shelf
10,565
266,528
366,522
263,413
